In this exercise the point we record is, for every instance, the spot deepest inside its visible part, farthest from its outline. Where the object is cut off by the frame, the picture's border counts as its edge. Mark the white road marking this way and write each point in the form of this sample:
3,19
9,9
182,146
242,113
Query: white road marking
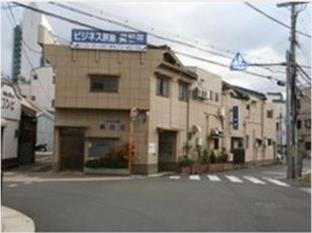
12,185
234,179
194,177
254,180
213,178
277,182
27,182
174,177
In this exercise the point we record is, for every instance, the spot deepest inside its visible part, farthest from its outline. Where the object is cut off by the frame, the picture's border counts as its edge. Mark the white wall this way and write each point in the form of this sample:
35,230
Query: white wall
10,114
42,88
45,129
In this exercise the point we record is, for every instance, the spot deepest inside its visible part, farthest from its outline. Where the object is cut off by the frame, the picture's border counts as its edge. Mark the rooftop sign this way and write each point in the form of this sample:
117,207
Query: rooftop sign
110,40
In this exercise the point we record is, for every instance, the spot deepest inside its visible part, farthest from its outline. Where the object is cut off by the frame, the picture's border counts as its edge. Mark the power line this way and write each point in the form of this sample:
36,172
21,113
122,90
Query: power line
152,34
225,65
303,72
100,29
275,20
190,45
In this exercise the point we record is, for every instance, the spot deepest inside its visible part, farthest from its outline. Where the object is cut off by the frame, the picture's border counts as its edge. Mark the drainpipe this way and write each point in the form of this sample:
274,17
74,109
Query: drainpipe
187,123
262,129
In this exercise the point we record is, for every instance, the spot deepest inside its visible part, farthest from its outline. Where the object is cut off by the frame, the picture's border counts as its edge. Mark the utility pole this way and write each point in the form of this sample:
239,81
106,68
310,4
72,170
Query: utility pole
293,160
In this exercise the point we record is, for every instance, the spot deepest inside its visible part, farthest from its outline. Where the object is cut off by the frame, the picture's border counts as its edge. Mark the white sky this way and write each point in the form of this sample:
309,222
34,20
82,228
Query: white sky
223,24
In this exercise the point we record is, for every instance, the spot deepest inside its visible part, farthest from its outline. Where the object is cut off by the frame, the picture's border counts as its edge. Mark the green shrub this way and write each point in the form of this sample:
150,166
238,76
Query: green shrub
219,159
212,157
205,157
224,157
184,161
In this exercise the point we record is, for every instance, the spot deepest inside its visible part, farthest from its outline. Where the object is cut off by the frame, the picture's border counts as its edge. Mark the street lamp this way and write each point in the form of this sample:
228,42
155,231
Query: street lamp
134,112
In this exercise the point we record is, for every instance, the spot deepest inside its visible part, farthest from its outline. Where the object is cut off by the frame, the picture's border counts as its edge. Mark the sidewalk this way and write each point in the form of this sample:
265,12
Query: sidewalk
14,221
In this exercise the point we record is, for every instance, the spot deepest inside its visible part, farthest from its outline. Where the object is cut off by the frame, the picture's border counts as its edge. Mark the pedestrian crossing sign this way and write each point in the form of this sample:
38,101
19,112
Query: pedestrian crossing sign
238,63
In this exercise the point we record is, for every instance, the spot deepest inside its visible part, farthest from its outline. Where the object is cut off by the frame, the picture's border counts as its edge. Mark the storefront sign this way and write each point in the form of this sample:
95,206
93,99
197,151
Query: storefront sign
110,40
235,119
152,148
10,104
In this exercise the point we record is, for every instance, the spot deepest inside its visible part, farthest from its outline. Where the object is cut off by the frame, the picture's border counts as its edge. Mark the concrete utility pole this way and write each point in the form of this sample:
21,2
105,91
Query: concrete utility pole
293,159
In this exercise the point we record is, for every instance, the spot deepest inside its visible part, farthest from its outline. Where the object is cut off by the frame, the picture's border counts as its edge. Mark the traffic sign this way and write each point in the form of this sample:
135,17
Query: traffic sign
238,63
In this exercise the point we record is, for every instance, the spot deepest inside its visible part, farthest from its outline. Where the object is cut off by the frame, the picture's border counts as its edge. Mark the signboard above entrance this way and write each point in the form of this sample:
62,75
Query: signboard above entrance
110,40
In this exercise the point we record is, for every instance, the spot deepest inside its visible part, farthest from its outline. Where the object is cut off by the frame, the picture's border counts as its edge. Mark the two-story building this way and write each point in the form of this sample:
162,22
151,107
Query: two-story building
95,91
249,125
304,123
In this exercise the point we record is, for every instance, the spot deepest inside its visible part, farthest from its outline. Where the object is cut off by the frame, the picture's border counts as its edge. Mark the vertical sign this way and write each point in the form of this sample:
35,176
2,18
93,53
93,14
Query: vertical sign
235,119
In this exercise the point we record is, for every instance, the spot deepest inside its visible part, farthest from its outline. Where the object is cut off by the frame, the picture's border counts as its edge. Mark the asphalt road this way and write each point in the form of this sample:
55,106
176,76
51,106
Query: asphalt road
162,204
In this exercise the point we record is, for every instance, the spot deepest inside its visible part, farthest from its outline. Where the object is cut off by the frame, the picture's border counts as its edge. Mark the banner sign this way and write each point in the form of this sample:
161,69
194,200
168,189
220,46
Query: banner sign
111,40
235,117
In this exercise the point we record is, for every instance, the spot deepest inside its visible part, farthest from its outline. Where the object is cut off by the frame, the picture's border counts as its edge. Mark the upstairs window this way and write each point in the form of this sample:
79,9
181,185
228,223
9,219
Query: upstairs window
270,113
33,98
210,95
104,83
162,85
216,97
307,123
299,124
183,91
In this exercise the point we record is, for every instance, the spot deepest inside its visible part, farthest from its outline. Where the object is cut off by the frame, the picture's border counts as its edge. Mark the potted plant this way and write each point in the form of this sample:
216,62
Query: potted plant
185,164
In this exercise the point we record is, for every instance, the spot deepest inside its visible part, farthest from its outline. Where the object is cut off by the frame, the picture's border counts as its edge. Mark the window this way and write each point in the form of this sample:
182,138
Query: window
270,113
162,85
33,98
216,143
211,95
53,79
183,91
53,103
307,123
269,141
308,145
299,124
35,77
103,83
101,146
216,97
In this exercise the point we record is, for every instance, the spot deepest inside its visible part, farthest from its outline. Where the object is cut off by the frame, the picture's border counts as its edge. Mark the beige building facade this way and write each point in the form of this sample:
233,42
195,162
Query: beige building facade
304,123
178,106
252,136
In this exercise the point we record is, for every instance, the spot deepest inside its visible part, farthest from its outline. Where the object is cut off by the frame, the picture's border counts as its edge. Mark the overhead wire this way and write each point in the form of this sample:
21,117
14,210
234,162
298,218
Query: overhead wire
274,19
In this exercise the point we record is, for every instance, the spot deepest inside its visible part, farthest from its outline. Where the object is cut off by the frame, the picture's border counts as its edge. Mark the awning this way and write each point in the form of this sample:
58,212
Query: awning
216,133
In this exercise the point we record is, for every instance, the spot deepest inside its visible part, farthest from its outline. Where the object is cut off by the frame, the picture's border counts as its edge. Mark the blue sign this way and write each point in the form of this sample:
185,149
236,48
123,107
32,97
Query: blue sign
238,63
125,40
235,114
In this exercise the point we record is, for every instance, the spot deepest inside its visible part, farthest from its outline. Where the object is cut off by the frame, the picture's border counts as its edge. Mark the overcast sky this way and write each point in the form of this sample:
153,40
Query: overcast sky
225,25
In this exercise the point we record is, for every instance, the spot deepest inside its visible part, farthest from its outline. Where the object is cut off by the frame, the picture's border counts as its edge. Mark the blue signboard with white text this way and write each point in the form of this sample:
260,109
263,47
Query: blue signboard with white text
111,40
235,119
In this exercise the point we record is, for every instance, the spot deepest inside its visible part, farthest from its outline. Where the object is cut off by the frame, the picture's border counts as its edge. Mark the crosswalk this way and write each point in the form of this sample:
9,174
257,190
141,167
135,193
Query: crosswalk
232,179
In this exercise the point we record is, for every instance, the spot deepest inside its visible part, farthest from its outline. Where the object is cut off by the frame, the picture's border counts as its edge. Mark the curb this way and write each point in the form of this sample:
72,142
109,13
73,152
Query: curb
15,221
